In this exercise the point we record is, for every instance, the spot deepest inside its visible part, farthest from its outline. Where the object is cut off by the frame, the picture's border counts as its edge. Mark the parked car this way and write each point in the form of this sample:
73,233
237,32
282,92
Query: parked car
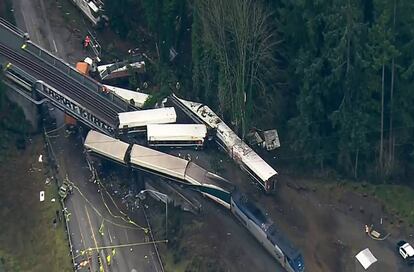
406,251
65,189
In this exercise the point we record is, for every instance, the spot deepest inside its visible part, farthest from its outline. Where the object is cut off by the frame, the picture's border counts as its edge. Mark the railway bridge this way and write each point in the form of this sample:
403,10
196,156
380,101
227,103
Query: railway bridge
40,76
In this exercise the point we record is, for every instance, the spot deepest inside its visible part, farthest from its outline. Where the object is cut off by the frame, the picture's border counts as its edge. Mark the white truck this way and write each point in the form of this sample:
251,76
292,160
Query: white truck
406,251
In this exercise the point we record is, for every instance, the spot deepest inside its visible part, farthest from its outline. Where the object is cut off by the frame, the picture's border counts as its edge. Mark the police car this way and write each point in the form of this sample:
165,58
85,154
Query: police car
406,251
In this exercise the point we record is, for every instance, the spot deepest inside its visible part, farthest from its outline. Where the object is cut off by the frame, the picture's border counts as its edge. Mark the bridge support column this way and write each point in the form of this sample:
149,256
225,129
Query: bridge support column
30,110
138,179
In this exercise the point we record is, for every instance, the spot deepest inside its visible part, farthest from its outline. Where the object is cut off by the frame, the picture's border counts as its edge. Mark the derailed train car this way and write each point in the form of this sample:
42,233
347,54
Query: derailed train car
176,135
161,164
209,184
226,138
136,121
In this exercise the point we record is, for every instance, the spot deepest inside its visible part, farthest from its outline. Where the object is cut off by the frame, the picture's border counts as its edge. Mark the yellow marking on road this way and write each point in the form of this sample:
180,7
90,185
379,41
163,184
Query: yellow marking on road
93,233
127,245
83,241
82,252
110,237
107,220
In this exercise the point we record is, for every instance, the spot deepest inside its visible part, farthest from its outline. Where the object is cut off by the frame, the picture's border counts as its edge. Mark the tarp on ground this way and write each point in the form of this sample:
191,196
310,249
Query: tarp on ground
366,258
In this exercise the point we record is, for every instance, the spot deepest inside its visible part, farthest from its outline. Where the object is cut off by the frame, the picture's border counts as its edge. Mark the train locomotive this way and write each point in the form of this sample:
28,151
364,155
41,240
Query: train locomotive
210,185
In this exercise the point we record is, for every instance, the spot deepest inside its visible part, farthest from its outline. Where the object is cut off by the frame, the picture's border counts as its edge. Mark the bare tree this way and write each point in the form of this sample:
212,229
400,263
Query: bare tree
244,42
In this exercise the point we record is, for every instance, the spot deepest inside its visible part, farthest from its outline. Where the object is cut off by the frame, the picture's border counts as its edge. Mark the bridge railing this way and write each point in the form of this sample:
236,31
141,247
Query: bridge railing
63,66
68,105
11,27
86,81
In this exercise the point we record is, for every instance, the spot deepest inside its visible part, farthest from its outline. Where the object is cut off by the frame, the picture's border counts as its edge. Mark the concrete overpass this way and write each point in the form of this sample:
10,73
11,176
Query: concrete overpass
38,75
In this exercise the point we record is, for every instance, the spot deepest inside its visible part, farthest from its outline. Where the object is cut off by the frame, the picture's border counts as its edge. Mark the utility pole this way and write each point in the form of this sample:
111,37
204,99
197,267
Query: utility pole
391,136
382,120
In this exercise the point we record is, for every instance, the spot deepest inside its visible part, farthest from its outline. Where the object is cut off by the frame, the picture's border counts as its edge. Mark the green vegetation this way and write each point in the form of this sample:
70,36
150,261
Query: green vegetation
13,125
397,200
28,239
334,77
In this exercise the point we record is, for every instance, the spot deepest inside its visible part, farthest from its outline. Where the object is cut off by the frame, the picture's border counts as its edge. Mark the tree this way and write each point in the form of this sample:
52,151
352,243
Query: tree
243,42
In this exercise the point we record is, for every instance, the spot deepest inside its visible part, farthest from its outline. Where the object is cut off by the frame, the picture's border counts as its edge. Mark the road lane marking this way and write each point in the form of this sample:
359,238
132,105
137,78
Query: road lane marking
126,235
54,44
109,233
93,233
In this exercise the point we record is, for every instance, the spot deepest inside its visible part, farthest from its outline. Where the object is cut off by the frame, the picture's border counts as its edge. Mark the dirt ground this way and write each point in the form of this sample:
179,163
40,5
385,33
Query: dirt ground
323,220
28,239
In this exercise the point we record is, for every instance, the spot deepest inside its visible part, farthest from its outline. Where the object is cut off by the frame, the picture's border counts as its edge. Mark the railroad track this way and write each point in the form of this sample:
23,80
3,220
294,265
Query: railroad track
72,88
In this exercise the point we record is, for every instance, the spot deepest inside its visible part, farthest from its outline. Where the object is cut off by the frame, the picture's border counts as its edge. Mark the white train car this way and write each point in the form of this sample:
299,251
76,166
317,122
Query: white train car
239,151
129,96
134,121
92,9
249,161
106,146
114,70
176,135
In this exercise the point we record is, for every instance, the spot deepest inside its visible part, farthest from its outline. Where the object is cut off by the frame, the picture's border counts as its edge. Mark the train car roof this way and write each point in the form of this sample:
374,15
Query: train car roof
144,117
202,111
200,175
176,131
106,146
247,155
277,238
127,95
260,219
251,210
158,161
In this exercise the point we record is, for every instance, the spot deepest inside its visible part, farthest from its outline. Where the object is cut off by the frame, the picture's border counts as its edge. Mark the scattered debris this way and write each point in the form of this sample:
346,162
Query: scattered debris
268,139
42,196
40,158
53,200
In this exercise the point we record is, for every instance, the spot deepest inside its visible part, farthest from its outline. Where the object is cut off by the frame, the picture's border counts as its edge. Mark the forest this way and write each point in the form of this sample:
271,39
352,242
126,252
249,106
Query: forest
334,77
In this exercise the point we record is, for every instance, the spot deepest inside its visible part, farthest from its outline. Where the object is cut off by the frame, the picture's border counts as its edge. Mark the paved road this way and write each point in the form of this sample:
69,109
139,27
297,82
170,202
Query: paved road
92,225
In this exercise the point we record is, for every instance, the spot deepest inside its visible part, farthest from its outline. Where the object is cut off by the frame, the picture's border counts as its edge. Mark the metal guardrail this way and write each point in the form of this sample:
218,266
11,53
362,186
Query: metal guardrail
77,111
63,66
11,27
152,237
22,93
64,208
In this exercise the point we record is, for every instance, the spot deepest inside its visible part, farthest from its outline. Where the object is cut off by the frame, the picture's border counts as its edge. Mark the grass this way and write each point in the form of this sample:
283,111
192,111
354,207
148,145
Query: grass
28,240
397,200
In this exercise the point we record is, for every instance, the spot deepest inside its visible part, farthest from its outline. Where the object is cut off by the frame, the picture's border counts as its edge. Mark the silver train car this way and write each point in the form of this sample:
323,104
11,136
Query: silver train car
266,233
209,184
161,164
